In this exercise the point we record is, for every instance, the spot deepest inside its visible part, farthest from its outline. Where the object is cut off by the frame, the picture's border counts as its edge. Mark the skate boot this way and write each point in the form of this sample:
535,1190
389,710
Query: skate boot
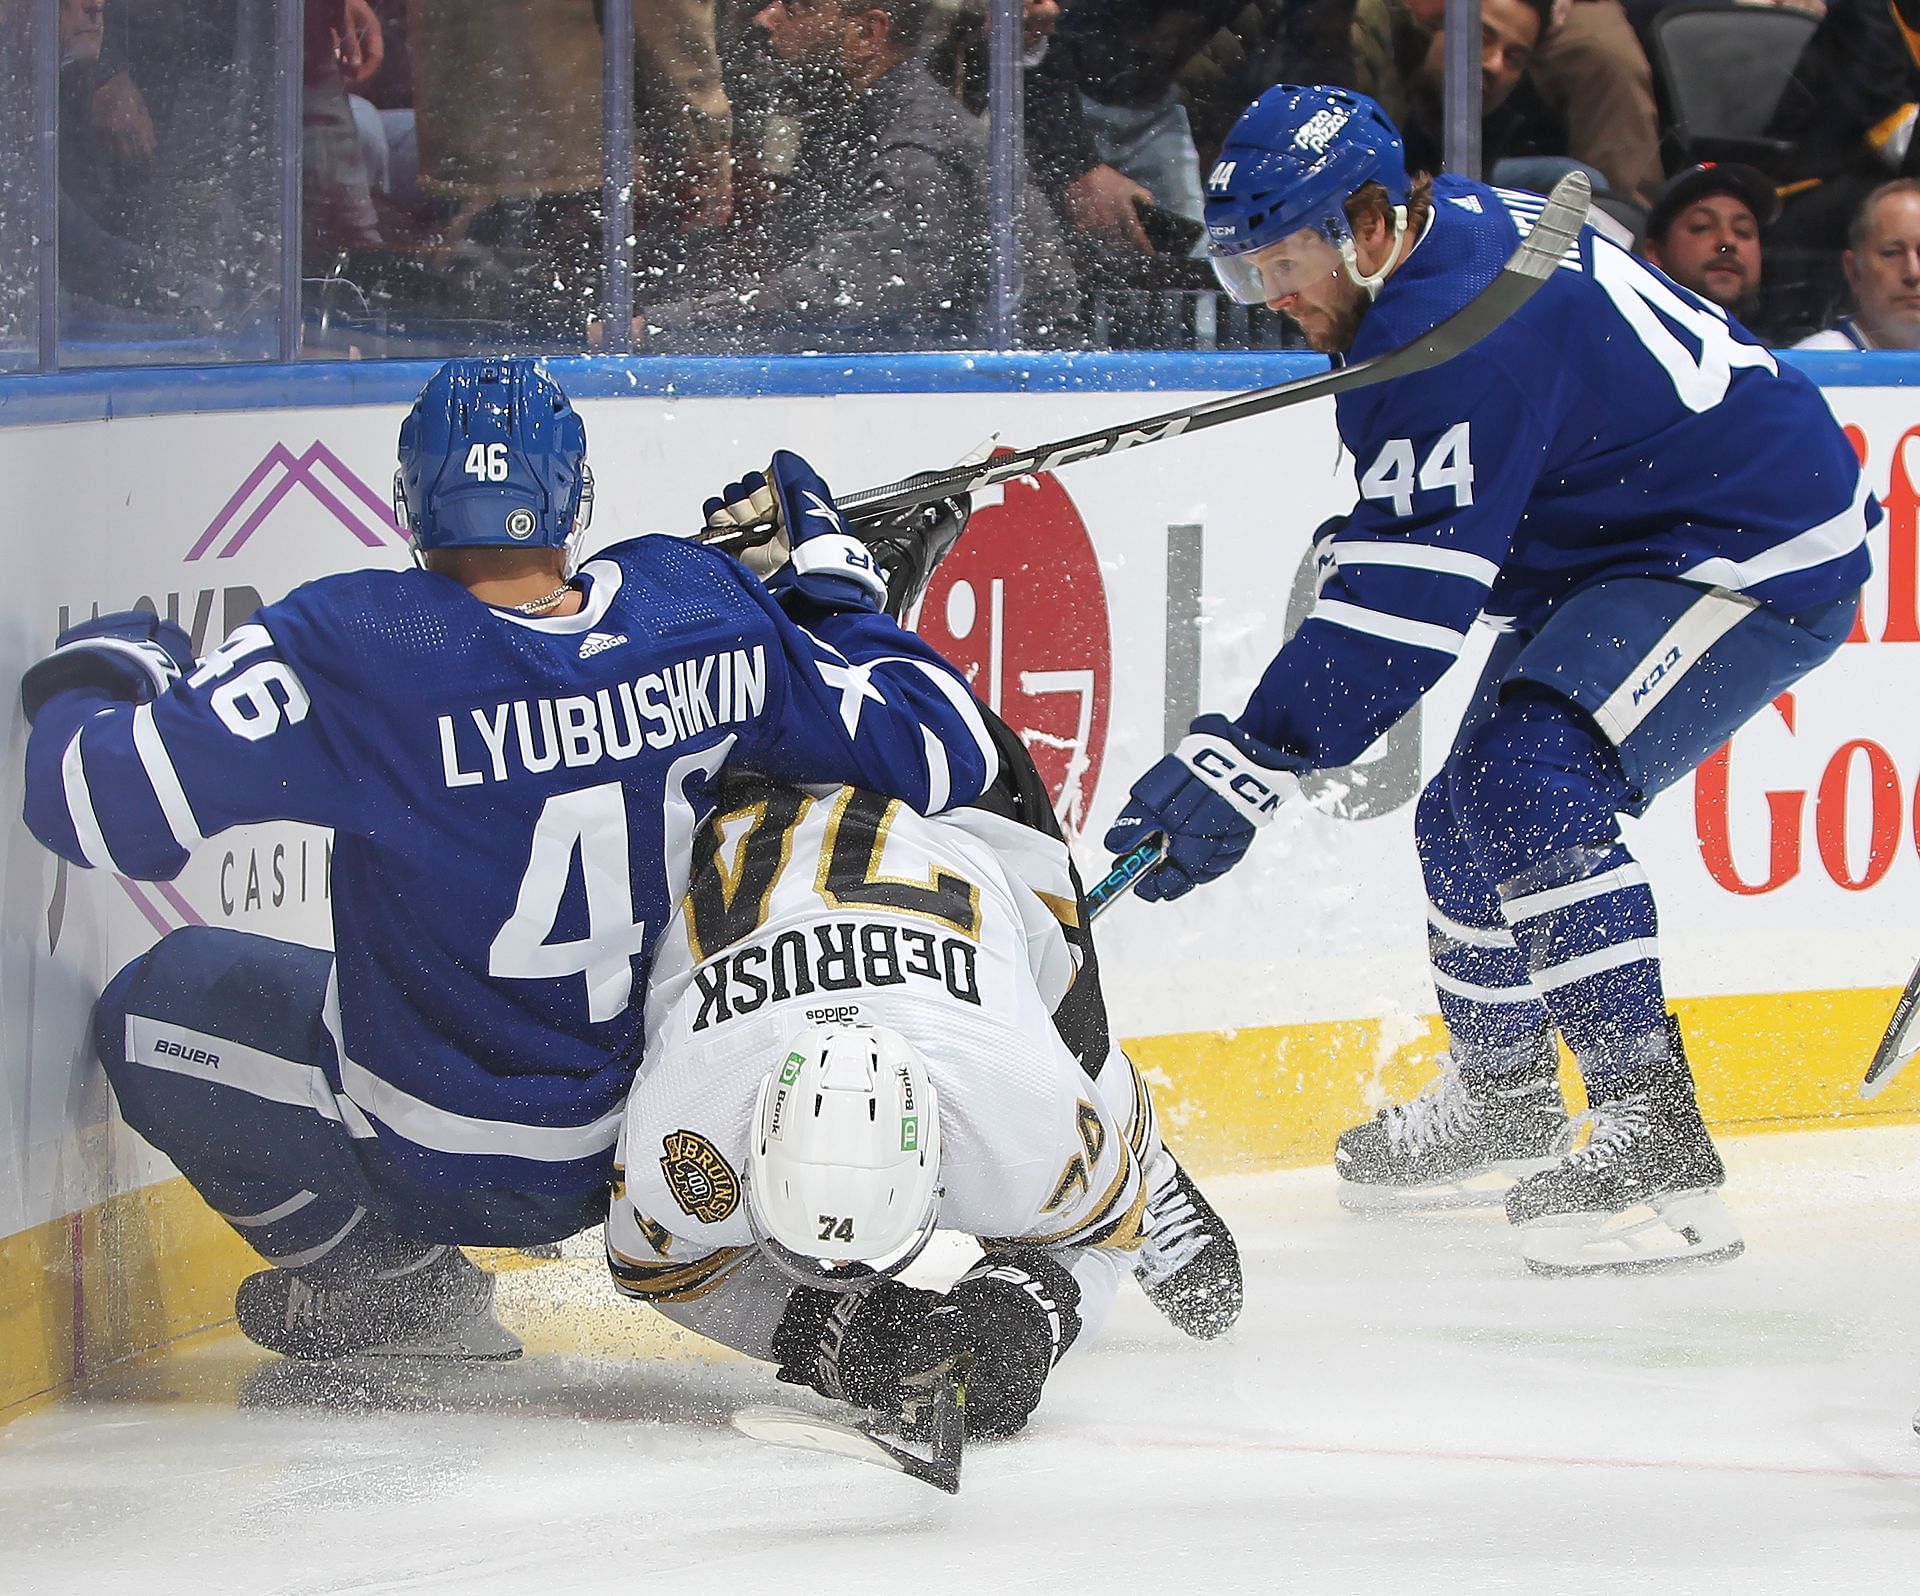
1188,1264
1459,1144
1640,1195
444,1309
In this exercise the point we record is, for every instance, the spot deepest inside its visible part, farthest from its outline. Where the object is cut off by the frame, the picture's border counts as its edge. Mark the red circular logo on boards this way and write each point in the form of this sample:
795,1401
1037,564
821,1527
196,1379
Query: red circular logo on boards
1019,606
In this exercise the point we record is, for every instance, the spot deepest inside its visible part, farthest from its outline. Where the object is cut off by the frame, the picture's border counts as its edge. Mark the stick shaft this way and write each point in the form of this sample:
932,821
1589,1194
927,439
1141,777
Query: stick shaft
1526,270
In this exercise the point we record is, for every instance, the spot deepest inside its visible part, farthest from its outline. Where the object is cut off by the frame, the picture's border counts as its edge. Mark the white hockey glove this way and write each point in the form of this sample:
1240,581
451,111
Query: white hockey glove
131,655
811,552
1206,798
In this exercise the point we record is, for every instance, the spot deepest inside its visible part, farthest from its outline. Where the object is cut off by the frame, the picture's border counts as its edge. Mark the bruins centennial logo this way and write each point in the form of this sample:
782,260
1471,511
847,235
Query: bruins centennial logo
699,1178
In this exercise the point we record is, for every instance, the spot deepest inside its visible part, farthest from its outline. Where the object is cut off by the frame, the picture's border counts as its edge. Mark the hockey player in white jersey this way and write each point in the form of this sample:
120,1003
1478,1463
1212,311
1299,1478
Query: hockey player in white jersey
866,1025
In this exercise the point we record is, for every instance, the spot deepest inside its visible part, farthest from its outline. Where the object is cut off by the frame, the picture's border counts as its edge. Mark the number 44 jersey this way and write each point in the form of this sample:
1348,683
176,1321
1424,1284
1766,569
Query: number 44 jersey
1615,426
514,802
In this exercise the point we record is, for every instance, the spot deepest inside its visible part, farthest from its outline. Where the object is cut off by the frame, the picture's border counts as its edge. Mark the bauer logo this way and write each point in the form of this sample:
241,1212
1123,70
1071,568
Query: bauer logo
167,1048
1021,608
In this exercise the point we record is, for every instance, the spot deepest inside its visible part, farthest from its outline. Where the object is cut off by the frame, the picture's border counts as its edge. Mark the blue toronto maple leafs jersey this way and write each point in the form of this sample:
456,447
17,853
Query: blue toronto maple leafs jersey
1616,425
513,802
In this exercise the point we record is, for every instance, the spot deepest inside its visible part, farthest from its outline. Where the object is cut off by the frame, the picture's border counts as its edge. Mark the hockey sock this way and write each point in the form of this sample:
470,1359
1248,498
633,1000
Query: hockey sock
1494,1017
333,1242
1585,919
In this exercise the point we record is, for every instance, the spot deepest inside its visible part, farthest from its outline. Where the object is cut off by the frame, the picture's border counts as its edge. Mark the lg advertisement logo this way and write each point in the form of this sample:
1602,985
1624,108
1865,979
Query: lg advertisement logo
1019,606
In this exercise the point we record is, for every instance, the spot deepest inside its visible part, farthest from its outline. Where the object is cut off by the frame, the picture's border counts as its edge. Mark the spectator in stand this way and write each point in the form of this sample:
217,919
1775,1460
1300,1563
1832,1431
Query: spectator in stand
1561,79
1846,118
880,237
113,268
1127,55
1882,266
1399,54
520,163
1704,232
1089,195
1592,71
336,191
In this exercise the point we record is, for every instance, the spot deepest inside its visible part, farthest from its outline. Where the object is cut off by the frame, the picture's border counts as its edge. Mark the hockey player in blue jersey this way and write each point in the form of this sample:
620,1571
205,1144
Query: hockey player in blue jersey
1666,526
514,757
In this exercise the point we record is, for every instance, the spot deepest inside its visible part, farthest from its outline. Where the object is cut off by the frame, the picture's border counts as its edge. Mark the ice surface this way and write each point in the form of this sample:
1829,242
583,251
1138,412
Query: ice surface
1401,1409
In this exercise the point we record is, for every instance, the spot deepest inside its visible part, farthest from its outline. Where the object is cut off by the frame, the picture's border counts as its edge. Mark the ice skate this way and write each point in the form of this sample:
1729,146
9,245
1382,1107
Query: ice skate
442,1310
1188,1265
1457,1144
1640,1195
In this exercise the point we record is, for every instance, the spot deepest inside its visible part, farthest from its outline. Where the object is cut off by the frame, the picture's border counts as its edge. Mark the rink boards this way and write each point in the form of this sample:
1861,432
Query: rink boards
1097,609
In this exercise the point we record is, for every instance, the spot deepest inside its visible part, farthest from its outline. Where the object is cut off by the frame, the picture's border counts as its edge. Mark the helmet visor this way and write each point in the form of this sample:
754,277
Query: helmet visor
1287,265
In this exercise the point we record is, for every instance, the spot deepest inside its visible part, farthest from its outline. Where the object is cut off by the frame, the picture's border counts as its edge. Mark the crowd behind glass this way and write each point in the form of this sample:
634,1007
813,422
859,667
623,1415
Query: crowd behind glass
820,174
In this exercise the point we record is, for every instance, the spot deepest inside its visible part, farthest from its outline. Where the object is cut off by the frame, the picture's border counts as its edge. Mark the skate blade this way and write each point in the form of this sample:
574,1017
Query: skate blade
1484,1189
477,1341
1679,1230
807,1432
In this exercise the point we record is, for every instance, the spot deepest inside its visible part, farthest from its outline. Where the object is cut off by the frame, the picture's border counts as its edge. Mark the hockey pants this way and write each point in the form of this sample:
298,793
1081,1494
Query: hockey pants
1538,916
214,1044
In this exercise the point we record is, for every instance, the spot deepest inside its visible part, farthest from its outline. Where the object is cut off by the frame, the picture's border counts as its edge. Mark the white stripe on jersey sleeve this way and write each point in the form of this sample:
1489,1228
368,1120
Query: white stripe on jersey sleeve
1832,539
86,825
939,777
165,780
1394,628
1417,557
968,711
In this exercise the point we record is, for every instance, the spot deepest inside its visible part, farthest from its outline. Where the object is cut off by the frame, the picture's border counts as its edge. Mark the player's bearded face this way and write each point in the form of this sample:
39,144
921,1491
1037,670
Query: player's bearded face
1304,278
1328,311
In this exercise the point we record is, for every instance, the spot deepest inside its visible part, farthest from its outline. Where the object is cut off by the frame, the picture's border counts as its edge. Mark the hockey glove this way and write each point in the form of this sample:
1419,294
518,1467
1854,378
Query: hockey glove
1000,1329
846,1344
811,551
909,544
131,655
1206,798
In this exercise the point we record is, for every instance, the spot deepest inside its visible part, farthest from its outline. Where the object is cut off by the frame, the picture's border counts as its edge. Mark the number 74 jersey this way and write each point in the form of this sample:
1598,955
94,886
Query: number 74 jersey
837,906
1615,426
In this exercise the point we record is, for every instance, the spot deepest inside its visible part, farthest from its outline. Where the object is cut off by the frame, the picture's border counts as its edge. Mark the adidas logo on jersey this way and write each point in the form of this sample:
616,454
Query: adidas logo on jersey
600,642
1468,202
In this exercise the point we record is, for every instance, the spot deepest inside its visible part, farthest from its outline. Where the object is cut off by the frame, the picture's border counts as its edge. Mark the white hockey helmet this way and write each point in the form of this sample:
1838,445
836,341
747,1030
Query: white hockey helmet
844,1164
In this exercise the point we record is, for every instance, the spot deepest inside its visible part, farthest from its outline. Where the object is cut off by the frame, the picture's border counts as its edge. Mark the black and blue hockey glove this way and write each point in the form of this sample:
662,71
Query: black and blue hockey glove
1000,1329
811,552
1206,798
131,655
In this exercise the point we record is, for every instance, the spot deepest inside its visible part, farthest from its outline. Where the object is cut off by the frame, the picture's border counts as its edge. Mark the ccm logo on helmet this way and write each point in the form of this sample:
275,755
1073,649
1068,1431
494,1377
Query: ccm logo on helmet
1243,784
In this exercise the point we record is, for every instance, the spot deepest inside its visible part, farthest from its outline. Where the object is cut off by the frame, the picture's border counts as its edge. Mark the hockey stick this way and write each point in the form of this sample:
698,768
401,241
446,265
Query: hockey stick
1897,1047
1127,869
1526,270
863,1442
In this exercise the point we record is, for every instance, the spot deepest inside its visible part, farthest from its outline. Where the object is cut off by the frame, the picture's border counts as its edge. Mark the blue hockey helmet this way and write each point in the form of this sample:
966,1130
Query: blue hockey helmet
1292,161
493,455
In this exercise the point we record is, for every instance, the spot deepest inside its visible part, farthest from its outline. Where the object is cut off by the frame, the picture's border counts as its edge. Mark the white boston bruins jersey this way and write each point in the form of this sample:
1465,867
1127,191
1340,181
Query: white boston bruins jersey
839,906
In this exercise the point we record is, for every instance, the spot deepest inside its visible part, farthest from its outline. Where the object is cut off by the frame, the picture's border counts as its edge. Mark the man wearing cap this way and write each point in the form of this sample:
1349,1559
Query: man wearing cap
1705,230
1882,263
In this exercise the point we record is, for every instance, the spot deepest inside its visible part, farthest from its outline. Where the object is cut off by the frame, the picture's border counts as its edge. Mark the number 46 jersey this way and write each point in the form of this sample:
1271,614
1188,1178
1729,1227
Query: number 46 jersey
1615,426
513,801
